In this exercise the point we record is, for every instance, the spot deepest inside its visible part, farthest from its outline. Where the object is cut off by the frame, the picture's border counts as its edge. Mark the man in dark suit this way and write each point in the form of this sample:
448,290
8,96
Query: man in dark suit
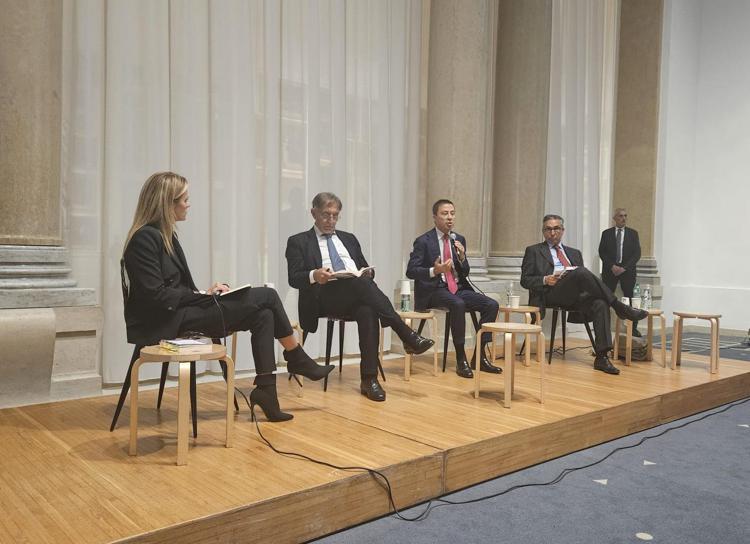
620,251
440,270
554,275
312,258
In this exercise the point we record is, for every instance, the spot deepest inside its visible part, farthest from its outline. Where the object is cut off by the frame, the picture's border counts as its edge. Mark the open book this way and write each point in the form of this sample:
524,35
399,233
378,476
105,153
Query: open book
240,288
560,272
343,274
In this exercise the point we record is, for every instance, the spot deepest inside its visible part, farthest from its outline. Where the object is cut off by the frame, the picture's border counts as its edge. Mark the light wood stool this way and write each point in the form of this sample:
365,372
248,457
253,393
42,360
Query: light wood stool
527,312
654,312
155,354
713,367
407,318
510,330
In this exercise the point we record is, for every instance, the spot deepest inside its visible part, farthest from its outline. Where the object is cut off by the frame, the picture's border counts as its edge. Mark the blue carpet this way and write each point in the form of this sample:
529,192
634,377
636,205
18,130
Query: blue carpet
730,347
696,491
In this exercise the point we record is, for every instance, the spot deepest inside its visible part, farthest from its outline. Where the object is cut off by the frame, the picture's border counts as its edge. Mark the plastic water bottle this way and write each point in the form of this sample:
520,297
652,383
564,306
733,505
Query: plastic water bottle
635,301
646,301
405,296
509,291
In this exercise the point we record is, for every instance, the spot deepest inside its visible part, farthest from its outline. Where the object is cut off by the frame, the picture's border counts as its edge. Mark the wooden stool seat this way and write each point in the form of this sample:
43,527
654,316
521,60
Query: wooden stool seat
713,366
510,330
407,317
652,313
531,314
692,315
156,354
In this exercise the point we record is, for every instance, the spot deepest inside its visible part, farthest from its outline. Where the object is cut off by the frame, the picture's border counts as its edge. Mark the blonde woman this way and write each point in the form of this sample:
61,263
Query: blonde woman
163,302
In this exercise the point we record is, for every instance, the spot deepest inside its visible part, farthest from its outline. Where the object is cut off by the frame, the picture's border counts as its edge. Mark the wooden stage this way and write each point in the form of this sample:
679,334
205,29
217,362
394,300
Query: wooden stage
66,478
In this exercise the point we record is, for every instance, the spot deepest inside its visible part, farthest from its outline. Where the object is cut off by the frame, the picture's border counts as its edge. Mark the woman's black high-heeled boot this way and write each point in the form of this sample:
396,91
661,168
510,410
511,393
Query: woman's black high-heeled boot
265,397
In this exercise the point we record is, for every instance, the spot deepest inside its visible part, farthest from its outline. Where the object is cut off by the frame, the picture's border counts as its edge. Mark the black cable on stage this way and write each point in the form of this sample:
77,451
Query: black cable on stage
430,506
378,476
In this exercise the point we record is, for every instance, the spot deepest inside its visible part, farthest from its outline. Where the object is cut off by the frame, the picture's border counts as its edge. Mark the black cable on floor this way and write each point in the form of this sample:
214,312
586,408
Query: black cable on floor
430,506
376,474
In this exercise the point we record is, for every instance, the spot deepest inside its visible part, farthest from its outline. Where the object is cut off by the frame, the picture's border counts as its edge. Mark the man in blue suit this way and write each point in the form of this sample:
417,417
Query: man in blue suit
440,270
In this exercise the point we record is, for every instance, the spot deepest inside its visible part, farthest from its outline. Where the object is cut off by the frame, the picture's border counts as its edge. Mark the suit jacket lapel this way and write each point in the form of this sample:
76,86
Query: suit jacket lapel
314,248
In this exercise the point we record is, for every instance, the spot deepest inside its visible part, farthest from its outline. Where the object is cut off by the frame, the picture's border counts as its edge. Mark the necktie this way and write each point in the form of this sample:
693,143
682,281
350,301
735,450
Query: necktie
560,255
618,241
336,261
449,278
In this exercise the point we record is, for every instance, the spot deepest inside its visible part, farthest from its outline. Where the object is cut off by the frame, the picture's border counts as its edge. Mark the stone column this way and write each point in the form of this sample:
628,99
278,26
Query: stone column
521,120
459,113
637,124
36,292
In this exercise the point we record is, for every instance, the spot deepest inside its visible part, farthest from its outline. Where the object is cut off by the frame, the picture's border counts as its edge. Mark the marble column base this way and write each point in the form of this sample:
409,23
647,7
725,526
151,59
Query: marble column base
49,354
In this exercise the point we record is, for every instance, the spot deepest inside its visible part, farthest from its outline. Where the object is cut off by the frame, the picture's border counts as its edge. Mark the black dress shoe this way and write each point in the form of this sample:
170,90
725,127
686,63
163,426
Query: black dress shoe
624,311
463,370
371,389
603,363
415,344
486,366
298,362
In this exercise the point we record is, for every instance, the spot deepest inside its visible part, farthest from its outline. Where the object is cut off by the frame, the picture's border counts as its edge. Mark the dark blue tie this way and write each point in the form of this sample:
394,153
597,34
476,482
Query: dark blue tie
336,261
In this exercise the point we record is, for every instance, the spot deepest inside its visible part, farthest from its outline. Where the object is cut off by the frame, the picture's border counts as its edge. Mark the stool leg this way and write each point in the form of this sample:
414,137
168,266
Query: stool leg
434,348
477,372
508,370
193,399
663,323
714,368
552,336
650,338
446,336
125,387
134,406
564,317
628,342
162,381
382,341
229,362
407,357
539,351
342,326
616,341
676,326
183,404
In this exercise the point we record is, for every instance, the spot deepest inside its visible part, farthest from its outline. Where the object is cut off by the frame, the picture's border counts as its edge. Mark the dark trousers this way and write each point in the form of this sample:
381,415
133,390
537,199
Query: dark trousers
464,300
626,281
258,310
362,299
582,291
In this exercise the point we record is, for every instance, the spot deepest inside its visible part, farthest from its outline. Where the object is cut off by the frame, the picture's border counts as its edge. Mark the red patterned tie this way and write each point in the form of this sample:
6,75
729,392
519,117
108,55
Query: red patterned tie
560,255
449,279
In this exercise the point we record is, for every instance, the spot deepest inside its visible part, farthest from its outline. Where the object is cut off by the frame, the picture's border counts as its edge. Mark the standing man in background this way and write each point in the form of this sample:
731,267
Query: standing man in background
620,251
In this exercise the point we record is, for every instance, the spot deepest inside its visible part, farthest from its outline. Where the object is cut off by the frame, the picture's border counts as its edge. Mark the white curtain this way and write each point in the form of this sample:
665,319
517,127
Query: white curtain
260,104
581,120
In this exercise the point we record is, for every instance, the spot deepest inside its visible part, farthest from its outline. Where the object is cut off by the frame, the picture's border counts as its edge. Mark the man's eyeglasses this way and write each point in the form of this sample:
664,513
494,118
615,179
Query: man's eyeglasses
329,216
552,229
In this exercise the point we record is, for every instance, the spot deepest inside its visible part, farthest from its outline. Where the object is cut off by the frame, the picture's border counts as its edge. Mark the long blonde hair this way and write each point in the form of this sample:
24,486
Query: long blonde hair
156,205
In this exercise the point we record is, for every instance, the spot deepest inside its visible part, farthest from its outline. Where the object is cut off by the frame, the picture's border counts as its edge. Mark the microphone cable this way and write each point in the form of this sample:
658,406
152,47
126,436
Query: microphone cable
432,504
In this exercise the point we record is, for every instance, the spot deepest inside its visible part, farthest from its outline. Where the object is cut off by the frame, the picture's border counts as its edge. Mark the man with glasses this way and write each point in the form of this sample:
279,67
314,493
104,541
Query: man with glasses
620,250
555,276
313,258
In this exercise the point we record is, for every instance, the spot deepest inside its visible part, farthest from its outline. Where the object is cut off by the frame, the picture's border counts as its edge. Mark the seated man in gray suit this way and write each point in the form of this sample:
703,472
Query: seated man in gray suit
555,276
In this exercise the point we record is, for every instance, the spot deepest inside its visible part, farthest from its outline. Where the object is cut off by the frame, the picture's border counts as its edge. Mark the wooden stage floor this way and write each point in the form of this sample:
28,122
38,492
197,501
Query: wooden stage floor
66,478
